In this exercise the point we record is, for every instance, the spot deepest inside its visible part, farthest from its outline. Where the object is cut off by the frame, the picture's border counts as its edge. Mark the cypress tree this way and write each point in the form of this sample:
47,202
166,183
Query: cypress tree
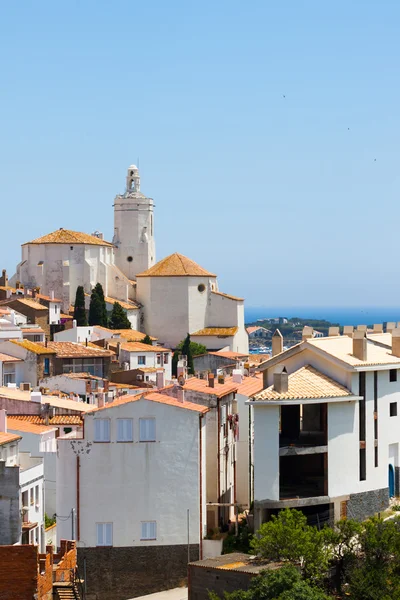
97,307
118,319
79,308
147,340
187,351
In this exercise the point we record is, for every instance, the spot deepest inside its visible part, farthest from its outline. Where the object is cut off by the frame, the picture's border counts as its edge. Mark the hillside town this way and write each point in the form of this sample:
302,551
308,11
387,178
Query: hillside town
138,434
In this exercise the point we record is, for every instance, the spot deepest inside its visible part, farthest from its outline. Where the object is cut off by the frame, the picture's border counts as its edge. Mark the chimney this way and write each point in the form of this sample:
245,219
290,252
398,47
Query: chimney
52,295
333,331
360,345
3,421
160,378
100,400
236,376
348,330
378,328
390,326
74,324
308,333
396,342
277,343
361,328
180,394
281,380
211,380
4,278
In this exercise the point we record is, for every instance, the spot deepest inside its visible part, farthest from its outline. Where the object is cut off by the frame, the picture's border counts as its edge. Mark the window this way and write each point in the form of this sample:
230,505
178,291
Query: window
37,497
363,465
141,360
149,530
393,409
147,430
201,287
31,496
104,534
8,378
102,430
166,358
393,375
124,430
37,338
159,359
55,308
46,369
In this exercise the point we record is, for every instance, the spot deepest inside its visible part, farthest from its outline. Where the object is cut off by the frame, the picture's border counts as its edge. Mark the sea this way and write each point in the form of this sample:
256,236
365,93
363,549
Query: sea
367,315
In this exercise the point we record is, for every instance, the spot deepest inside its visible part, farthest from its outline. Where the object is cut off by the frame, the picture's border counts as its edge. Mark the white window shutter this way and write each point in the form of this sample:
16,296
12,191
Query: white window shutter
152,429
100,538
106,430
129,430
120,432
97,430
152,530
108,536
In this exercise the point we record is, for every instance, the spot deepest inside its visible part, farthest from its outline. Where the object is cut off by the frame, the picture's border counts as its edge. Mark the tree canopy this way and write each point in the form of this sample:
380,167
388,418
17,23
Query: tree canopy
184,347
79,308
147,340
119,319
97,308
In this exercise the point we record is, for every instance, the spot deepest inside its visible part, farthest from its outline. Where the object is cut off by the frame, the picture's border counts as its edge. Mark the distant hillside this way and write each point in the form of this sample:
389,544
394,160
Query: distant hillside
292,327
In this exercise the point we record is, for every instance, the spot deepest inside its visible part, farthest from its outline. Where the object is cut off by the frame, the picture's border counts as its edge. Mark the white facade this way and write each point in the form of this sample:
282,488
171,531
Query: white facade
133,228
154,482
31,480
75,334
153,358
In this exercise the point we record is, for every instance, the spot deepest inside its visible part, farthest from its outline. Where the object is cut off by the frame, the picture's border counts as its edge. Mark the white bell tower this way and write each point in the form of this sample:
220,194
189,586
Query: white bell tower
133,228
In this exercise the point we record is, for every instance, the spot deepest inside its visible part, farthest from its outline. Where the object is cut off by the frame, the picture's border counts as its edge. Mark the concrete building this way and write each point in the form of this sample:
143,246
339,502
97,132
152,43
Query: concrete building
326,435
136,355
258,333
139,474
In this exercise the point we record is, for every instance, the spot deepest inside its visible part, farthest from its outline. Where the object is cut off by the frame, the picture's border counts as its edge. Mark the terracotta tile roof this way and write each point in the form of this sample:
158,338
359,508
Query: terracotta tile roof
130,305
219,389
154,397
27,426
32,330
228,296
250,385
255,328
149,369
306,383
229,354
75,350
64,316
8,358
9,288
341,347
56,420
176,265
47,298
65,236
130,335
6,438
217,331
140,347
30,303
123,386
34,347
256,359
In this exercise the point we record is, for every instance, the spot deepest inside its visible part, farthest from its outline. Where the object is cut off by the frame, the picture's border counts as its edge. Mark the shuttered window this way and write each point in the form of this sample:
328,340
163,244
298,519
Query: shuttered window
149,530
147,430
104,534
124,430
102,430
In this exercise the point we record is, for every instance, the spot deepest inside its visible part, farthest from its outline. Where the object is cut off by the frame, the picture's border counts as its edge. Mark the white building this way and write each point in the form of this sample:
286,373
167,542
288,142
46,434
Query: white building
136,355
140,468
258,333
326,430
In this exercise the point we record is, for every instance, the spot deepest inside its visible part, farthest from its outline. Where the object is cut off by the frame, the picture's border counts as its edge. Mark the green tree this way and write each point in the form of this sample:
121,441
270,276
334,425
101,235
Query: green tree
79,308
187,351
118,319
195,349
97,307
288,537
147,340
278,584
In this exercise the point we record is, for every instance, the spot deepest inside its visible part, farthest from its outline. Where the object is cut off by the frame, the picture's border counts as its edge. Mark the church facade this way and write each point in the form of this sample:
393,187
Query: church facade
169,299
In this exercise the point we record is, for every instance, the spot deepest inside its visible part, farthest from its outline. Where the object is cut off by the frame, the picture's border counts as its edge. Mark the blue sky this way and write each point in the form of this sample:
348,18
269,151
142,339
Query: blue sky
281,196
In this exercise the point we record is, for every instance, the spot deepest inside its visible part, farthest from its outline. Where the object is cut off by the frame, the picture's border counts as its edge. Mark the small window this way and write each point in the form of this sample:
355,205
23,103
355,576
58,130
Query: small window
102,430
31,496
104,534
393,409
166,358
393,375
37,495
149,530
147,430
159,359
46,368
124,430
55,308
141,360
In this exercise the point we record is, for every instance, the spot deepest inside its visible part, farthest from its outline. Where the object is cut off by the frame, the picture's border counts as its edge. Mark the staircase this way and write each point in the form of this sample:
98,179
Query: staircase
65,591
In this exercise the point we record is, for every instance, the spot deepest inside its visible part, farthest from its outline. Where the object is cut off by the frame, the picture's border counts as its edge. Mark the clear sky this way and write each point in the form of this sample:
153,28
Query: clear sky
268,135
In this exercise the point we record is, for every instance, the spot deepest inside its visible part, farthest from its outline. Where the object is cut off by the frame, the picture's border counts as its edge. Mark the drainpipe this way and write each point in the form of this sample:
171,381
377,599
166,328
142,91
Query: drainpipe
78,512
219,462
201,485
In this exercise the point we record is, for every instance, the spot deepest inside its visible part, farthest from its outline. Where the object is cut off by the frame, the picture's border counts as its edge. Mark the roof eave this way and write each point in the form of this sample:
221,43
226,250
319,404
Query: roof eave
298,401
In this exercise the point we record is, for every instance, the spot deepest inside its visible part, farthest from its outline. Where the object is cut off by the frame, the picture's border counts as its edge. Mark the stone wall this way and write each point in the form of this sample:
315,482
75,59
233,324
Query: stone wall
18,572
203,579
128,572
365,504
10,517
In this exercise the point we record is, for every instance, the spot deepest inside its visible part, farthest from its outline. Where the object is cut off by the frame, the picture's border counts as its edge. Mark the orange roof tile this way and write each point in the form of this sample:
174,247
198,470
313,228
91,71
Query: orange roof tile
140,347
56,420
217,331
66,236
228,296
121,400
27,426
32,330
73,350
34,347
219,389
8,358
176,265
130,335
47,298
64,316
7,438
155,397
130,305
29,303
250,384
229,354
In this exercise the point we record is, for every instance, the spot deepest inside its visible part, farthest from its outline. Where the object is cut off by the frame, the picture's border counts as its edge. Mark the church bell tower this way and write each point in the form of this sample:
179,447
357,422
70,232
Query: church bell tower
133,228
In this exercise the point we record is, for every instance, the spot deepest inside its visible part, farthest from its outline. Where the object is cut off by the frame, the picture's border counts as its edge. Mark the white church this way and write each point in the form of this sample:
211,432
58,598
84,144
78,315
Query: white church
167,299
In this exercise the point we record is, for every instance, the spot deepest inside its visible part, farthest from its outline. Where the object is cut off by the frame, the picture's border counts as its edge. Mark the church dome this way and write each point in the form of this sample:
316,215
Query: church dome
66,236
176,265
